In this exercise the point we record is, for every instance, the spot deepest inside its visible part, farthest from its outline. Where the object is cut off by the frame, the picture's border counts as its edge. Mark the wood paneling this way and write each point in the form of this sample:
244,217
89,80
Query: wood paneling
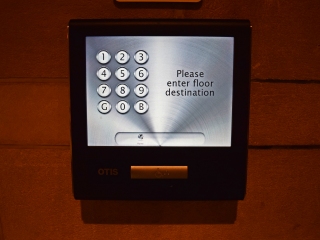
37,112
283,190
285,43
282,202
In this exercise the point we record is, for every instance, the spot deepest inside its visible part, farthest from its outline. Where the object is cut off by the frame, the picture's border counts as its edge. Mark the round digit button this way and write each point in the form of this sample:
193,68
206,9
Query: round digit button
141,74
122,74
104,90
141,90
122,90
103,57
122,57
123,107
104,107
141,107
141,57
104,74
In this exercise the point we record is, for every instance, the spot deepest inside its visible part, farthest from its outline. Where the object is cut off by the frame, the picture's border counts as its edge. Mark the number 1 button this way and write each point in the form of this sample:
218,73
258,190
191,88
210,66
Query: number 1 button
103,57
141,57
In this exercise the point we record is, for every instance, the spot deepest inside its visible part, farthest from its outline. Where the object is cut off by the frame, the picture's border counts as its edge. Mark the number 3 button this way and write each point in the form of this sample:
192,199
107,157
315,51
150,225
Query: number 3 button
141,57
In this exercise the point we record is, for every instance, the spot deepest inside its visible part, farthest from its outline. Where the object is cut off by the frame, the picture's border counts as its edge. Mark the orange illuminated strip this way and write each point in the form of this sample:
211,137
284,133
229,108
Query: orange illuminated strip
159,172
158,0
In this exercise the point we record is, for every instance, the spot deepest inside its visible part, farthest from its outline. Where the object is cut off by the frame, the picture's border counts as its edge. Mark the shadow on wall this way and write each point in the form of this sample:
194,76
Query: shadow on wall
158,212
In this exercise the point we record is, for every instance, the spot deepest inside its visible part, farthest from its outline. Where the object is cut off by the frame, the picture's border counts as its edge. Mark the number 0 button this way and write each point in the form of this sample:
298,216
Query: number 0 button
122,74
141,74
103,74
122,90
141,90
104,90
103,57
104,107
123,107
141,57
122,57
141,107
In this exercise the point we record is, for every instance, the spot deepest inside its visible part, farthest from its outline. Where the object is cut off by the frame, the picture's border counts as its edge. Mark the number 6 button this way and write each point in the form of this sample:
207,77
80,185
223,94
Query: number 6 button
141,57
104,90
141,90
141,74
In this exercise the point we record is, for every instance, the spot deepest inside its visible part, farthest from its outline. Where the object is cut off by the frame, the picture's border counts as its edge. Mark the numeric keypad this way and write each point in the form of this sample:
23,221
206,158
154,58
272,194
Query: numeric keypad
122,74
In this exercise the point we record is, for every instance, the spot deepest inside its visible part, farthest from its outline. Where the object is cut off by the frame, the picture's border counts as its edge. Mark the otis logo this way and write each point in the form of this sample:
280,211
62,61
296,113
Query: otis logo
108,171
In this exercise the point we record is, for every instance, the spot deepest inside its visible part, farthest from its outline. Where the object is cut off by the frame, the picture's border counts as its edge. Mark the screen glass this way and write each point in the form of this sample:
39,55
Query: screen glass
159,91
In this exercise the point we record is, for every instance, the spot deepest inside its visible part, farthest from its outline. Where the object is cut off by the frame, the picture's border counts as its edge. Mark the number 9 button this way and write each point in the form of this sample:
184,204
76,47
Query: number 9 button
141,90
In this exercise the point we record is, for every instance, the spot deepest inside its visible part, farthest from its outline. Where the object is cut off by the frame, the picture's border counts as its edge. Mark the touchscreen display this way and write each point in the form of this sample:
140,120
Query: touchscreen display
159,91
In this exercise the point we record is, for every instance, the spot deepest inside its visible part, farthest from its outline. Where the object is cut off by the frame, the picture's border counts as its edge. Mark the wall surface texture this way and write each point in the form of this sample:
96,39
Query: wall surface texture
283,190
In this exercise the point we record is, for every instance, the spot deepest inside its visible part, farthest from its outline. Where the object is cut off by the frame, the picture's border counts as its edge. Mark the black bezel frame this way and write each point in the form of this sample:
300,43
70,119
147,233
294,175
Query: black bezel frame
220,176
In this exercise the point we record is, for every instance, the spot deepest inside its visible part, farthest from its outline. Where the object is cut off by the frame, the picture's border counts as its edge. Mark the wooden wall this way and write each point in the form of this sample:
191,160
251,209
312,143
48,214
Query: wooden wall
283,191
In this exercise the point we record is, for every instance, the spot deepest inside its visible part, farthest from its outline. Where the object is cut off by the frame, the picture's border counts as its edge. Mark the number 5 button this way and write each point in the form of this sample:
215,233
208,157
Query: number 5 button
122,74
141,57
141,90
141,74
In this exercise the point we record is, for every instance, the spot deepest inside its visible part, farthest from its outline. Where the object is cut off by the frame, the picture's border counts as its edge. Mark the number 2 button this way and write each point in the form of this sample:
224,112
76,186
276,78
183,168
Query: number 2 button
122,57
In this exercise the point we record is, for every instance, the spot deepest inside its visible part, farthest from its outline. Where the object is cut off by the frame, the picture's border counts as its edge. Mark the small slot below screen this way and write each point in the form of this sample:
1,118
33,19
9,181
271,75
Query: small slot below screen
159,172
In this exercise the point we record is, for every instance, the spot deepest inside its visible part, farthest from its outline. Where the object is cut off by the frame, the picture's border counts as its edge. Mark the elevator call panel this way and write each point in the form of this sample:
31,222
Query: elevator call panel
159,108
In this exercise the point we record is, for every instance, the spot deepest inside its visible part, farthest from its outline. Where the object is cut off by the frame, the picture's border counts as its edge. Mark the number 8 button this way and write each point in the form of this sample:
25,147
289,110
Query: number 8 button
122,90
